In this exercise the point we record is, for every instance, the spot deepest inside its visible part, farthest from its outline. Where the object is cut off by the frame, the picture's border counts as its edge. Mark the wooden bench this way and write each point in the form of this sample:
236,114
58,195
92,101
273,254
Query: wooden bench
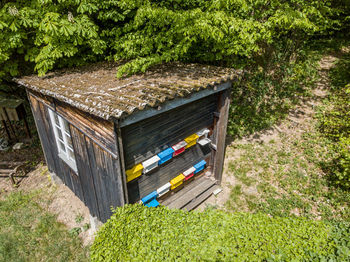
13,170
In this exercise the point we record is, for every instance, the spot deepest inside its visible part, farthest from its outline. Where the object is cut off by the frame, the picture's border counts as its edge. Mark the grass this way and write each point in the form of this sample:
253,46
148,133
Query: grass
288,174
288,180
30,233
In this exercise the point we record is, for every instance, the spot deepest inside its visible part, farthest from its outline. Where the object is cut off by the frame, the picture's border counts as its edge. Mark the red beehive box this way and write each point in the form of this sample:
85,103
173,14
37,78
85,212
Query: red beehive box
189,173
179,148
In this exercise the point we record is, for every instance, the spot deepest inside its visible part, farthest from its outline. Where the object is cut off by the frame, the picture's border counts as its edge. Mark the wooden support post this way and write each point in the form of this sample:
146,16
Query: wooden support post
220,135
11,127
121,160
6,129
27,128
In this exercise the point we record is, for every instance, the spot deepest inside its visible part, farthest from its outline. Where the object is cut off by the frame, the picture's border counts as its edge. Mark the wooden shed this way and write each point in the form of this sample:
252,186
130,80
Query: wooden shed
154,138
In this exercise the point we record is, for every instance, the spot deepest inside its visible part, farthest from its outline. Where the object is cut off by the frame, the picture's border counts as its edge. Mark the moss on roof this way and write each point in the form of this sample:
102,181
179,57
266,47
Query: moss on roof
96,90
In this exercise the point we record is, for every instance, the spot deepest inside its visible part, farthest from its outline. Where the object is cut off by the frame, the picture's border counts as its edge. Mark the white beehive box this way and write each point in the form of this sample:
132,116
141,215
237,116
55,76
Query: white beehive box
163,190
150,164
203,133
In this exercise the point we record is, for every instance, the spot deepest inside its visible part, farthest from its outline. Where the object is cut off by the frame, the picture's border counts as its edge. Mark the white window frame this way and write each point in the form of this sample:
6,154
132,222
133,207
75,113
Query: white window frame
65,140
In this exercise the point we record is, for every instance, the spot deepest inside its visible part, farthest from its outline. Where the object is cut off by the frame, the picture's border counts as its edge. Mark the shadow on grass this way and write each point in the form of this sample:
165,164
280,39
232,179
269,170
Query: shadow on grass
266,95
335,122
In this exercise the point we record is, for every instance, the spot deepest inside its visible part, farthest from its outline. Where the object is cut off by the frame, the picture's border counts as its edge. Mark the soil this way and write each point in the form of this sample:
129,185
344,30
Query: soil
293,126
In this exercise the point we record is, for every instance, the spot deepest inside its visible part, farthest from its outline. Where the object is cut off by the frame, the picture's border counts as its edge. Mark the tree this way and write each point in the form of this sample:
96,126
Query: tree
40,35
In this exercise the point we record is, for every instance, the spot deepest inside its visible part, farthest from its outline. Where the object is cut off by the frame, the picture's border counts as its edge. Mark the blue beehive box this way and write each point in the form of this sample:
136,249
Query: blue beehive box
199,166
165,155
150,200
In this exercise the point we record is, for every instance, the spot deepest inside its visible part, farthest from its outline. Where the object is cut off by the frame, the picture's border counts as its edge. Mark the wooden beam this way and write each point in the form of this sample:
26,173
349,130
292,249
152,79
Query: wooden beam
10,125
221,135
6,129
118,134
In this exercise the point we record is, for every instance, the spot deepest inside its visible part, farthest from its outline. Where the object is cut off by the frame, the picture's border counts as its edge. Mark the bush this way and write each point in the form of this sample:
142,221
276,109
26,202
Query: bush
137,233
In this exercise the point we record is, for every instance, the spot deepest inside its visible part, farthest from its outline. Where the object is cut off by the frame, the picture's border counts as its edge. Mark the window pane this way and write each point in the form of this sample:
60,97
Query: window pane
66,126
71,154
69,141
63,148
56,119
59,132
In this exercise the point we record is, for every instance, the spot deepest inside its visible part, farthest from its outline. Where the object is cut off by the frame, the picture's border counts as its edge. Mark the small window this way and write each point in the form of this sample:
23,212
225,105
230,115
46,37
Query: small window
63,139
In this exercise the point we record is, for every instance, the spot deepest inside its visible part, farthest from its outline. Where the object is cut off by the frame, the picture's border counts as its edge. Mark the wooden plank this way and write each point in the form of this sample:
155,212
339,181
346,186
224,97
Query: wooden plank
200,199
84,167
121,165
97,164
183,191
6,171
221,135
175,115
46,144
46,100
108,184
66,171
191,194
11,163
96,128
78,190
178,115
113,183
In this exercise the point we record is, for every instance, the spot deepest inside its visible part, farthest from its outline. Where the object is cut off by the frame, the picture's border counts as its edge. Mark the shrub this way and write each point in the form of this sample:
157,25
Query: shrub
137,233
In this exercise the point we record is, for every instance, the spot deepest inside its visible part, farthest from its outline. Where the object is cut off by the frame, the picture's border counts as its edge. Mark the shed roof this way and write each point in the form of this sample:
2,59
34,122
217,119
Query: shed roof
96,90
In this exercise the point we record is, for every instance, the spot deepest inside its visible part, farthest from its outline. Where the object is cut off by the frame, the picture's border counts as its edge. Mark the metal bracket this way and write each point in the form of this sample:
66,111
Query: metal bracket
217,114
213,146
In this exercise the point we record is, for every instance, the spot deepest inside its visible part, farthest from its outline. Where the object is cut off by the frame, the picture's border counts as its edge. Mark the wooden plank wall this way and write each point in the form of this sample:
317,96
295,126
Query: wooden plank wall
150,136
98,182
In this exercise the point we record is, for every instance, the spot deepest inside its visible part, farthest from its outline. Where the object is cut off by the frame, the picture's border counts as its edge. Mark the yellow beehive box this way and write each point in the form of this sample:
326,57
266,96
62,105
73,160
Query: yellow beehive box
177,181
191,140
134,172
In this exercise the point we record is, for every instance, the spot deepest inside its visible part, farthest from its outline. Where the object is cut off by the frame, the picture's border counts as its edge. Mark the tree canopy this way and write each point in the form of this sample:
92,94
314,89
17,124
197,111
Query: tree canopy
40,35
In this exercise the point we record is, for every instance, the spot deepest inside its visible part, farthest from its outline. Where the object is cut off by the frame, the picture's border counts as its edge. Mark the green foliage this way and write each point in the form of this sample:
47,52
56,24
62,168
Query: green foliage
138,233
29,233
43,34
335,122
267,92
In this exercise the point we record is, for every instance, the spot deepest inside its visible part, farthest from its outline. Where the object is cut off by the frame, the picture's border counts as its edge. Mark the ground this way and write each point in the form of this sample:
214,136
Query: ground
279,170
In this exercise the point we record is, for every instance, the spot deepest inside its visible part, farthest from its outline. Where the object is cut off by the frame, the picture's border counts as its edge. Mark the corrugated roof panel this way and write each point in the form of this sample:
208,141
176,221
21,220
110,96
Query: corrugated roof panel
96,90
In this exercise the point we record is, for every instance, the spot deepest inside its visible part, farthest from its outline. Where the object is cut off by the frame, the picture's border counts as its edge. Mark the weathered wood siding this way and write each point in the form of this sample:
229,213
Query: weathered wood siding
148,137
98,182
100,130
220,134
